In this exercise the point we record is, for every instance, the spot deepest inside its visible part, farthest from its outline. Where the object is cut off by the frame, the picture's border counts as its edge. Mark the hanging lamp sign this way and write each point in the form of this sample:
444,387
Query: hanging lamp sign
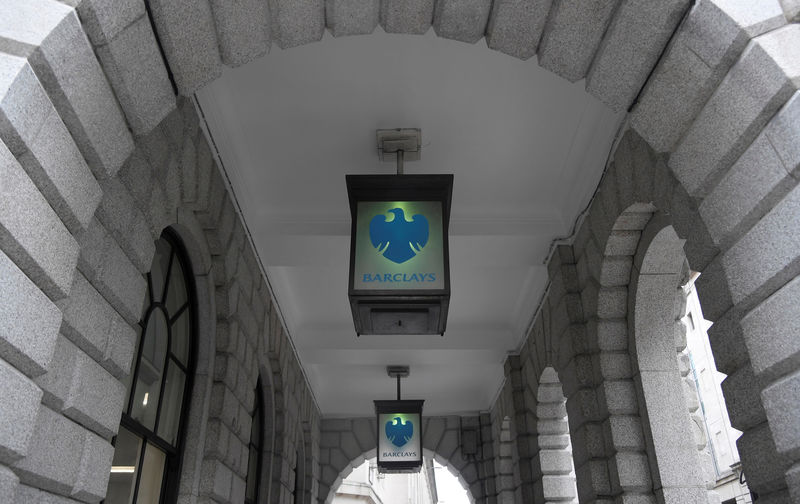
399,253
399,435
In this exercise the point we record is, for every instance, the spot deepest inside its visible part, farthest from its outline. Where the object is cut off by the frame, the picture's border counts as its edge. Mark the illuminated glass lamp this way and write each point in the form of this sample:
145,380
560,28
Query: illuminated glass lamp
399,435
399,253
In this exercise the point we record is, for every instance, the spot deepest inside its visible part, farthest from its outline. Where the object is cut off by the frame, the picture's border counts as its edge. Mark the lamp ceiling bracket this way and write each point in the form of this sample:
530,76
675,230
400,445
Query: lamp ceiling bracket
399,145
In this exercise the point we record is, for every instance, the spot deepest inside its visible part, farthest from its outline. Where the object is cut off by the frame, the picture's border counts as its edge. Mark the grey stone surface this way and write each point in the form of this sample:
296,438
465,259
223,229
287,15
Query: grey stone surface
19,405
33,131
629,471
781,405
630,48
54,455
774,240
187,34
8,484
104,19
351,17
107,267
91,482
31,233
763,79
753,185
138,76
118,213
515,26
95,397
572,34
69,71
29,321
461,20
784,135
26,494
406,16
791,9
762,464
703,50
741,393
243,30
770,332
25,25
297,22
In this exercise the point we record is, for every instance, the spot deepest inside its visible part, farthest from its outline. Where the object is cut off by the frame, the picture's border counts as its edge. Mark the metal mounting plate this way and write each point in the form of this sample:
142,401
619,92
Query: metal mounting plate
395,371
408,140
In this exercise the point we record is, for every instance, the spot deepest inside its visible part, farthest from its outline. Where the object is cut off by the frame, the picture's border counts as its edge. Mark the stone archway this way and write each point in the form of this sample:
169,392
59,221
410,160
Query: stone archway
555,449
721,108
655,332
345,443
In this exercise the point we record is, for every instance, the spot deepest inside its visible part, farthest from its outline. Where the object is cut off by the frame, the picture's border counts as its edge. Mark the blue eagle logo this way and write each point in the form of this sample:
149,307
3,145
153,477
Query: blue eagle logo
398,239
399,432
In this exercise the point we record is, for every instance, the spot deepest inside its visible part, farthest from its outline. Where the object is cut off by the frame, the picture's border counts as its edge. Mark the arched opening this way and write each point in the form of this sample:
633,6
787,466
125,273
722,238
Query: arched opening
433,484
555,448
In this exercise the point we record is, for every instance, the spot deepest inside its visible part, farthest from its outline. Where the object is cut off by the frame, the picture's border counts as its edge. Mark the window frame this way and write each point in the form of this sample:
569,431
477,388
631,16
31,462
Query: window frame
173,454
259,409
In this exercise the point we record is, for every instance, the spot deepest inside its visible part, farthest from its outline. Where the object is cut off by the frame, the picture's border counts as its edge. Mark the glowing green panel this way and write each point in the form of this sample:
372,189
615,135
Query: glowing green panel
399,437
399,245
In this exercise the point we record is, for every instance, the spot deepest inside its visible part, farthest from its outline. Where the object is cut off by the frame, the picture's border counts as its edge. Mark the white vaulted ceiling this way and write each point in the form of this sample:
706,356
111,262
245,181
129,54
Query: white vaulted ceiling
526,147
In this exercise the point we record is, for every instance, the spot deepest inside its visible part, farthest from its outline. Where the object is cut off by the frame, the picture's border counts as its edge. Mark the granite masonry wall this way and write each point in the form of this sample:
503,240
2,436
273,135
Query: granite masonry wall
98,156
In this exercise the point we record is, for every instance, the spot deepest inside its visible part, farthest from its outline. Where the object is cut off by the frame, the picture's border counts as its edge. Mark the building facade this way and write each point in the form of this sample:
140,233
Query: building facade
108,180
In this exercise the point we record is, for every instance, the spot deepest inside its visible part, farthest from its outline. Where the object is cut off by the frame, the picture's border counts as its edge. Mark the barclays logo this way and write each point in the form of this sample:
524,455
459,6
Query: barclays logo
398,239
399,432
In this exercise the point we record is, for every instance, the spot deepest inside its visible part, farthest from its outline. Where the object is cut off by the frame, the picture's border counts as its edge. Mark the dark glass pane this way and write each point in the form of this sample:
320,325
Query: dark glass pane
176,292
147,301
123,468
158,272
252,477
180,337
152,475
172,404
148,381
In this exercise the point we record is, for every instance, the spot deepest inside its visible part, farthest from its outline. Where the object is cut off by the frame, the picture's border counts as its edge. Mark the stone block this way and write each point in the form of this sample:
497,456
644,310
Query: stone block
752,186
770,332
620,397
105,19
630,48
703,50
31,232
774,240
69,71
612,302
95,397
783,410
19,405
91,481
784,135
297,22
461,20
742,398
87,317
54,455
406,16
761,462
571,36
556,461
8,484
243,30
559,487
616,271
33,131
107,267
187,34
515,26
351,17
58,379
624,433
763,79
29,321
120,216
629,471
134,67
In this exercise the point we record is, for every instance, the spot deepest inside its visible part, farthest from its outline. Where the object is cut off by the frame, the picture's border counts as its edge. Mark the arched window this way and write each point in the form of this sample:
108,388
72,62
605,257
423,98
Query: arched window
148,446
256,448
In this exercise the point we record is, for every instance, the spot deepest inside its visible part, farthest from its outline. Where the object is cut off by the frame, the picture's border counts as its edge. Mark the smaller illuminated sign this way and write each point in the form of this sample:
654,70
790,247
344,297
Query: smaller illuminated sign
399,435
